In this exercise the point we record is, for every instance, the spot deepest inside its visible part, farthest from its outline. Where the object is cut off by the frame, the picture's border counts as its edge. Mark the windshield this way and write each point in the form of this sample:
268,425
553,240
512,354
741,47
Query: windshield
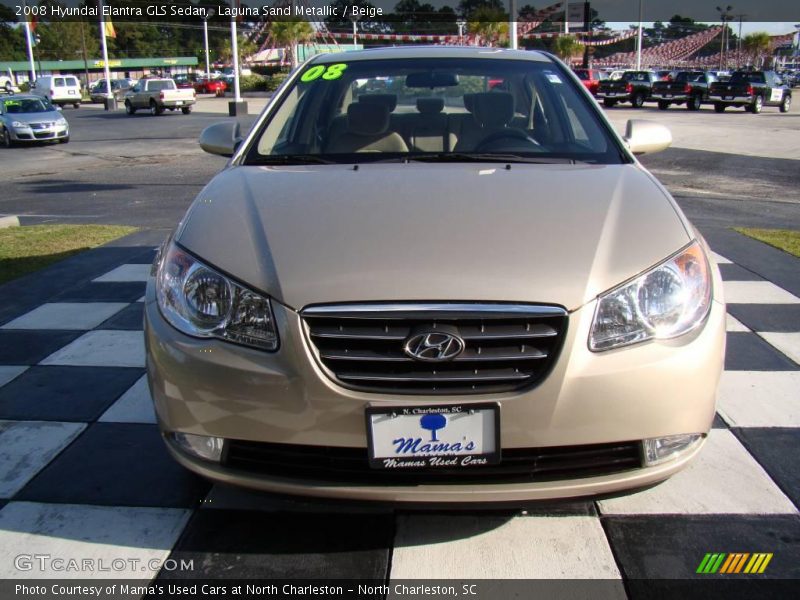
25,105
455,109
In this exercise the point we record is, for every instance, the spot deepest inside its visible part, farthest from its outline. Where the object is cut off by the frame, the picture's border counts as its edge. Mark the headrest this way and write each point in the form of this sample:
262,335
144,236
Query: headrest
367,119
468,101
493,109
430,106
388,100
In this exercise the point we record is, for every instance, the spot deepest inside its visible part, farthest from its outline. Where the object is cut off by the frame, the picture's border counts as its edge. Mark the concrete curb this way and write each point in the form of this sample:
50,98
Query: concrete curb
9,222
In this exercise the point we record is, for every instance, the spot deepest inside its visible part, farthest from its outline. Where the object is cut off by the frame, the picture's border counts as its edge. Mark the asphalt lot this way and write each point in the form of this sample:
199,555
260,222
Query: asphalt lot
728,169
84,473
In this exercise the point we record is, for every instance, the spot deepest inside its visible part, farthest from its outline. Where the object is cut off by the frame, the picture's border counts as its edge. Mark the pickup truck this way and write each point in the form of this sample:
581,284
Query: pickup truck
634,87
158,95
752,90
689,88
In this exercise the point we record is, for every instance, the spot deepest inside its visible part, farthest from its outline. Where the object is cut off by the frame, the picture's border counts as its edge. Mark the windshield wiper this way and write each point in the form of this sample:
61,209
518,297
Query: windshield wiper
491,157
292,159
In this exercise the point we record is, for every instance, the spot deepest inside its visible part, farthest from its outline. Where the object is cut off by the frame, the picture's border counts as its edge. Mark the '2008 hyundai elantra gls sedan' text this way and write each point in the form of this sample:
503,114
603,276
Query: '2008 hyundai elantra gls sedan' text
460,288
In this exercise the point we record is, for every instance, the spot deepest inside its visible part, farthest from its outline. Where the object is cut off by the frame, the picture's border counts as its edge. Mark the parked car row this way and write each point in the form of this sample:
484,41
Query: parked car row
751,90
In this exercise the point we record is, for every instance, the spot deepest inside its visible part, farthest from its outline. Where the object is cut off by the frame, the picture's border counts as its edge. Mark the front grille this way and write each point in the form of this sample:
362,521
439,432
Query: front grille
506,346
43,135
41,125
351,465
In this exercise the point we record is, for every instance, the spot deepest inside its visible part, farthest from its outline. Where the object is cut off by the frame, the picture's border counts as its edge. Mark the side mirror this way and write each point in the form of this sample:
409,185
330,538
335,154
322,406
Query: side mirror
646,137
221,138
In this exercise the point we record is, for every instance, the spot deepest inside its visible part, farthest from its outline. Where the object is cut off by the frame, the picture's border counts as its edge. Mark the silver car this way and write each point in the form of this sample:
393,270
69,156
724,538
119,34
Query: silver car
29,119
463,288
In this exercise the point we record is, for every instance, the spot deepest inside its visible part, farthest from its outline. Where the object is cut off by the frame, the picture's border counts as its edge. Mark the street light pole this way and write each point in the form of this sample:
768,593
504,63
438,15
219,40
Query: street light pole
107,72
354,18
512,26
461,23
209,15
724,15
639,39
30,50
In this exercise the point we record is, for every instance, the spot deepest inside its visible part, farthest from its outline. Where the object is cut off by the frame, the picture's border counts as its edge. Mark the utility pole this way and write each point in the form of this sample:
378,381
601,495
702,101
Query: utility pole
724,15
110,103
512,25
211,12
83,51
461,23
30,49
639,39
238,106
354,18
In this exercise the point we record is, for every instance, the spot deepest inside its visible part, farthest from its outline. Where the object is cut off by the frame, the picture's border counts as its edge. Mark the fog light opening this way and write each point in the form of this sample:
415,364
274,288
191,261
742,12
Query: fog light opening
660,450
199,446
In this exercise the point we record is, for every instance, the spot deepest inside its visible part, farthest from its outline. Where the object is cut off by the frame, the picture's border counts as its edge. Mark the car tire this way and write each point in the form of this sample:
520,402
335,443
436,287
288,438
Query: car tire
5,139
786,104
694,103
719,107
129,108
64,140
637,101
154,109
608,103
758,103
76,105
663,105
186,110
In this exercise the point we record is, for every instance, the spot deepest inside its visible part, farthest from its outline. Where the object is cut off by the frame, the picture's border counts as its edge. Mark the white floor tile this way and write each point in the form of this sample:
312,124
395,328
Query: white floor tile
760,398
720,260
733,324
9,373
102,349
757,292
723,479
126,273
67,315
26,447
788,343
488,547
107,536
134,406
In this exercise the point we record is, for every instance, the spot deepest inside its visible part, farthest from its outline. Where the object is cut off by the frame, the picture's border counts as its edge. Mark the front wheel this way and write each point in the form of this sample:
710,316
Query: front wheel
64,140
6,139
129,108
76,105
758,103
694,103
637,101
719,107
186,110
786,104
608,103
663,105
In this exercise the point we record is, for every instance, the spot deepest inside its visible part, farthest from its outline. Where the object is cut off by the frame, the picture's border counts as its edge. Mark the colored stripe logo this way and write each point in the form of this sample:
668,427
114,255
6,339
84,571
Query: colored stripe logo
735,562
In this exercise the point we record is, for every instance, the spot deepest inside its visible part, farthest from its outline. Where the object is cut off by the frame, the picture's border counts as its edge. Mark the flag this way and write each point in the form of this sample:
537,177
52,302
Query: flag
109,29
32,22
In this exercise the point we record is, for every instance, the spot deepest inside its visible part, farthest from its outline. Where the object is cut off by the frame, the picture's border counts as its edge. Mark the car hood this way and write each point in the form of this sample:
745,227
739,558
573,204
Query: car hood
30,118
557,234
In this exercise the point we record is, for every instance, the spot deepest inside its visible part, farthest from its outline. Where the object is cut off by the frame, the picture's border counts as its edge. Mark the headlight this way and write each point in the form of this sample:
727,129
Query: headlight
61,121
201,302
669,300
19,125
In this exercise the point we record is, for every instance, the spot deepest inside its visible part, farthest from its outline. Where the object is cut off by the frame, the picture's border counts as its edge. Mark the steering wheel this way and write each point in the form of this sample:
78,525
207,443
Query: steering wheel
507,134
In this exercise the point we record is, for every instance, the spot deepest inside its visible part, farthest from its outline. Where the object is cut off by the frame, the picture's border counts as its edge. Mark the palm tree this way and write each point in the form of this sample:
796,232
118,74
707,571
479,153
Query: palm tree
490,25
290,33
756,44
565,47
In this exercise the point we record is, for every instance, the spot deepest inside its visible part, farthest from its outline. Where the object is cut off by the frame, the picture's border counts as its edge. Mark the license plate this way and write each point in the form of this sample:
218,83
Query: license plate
667,95
71,92
179,102
454,436
611,93
727,97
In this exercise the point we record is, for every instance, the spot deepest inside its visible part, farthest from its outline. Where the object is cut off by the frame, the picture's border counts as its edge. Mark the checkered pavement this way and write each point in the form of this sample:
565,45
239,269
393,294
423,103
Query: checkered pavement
83,472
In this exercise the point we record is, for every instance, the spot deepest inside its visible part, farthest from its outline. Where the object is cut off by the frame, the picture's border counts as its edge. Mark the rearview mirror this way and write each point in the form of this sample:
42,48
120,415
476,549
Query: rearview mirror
221,138
431,79
646,137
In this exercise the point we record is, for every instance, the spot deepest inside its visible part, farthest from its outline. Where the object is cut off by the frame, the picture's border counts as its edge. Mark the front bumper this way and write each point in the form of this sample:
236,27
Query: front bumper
213,388
26,134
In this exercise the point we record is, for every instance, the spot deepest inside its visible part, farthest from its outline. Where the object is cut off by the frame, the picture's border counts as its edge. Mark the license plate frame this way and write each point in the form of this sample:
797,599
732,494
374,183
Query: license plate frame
461,460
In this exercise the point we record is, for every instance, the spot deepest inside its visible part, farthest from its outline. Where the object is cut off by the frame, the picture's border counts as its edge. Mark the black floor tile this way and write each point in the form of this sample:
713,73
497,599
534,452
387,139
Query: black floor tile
775,448
116,464
748,352
29,347
768,317
659,554
129,318
248,545
51,393
103,291
731,272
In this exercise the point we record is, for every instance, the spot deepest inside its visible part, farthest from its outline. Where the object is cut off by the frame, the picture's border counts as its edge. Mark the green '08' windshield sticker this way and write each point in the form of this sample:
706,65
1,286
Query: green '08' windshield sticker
326,72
